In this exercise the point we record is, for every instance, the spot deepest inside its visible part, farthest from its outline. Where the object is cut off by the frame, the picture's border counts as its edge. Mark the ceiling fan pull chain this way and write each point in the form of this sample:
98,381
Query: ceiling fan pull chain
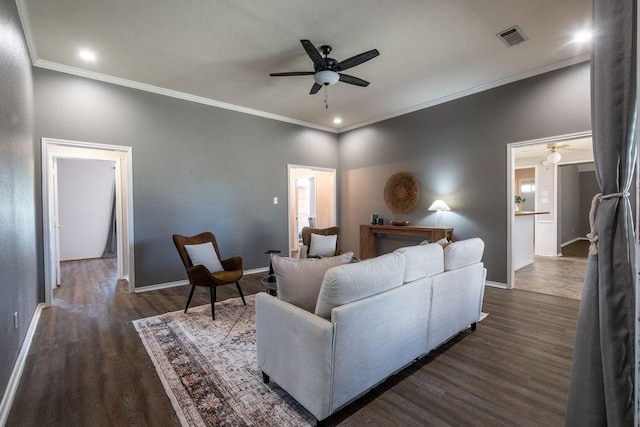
326,103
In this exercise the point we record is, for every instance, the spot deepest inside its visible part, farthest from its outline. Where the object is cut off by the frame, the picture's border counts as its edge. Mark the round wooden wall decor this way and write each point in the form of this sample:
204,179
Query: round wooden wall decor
401,192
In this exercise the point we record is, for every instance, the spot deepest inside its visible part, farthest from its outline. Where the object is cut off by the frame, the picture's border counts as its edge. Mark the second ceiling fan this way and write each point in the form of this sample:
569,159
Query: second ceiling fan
327,70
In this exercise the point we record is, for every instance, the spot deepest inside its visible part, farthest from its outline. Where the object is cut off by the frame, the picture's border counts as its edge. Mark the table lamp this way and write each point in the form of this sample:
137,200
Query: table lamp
439,206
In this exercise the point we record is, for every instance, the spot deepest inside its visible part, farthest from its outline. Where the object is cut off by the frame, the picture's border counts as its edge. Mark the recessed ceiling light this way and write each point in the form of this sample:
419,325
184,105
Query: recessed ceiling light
87,55
582,36
337,121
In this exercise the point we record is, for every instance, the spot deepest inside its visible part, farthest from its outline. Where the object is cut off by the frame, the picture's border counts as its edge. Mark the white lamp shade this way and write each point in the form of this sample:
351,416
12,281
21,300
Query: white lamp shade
439,205
554,157
326,77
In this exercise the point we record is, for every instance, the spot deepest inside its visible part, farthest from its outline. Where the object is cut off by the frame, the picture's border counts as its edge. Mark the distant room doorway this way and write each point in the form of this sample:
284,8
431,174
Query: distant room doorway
536,240
120,157
312,201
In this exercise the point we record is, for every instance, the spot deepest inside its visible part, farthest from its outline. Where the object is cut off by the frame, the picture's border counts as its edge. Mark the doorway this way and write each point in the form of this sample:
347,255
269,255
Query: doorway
543,229
312,200
54,150
85,208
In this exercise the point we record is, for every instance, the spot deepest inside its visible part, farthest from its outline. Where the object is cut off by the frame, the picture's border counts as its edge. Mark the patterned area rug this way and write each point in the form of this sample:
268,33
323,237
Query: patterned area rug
209,369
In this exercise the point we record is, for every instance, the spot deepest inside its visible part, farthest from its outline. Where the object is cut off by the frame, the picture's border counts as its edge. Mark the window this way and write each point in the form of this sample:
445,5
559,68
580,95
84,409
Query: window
527,187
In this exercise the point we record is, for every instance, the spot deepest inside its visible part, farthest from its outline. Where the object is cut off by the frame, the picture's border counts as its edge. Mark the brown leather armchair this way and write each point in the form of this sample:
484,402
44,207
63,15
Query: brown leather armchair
199,275
306,232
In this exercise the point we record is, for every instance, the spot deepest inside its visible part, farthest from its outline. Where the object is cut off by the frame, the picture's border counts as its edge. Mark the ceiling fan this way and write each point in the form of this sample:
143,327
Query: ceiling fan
328,71
554,149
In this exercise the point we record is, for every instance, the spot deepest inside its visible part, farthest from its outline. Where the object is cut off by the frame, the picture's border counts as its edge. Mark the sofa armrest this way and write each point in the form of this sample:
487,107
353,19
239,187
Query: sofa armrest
456,301
295,349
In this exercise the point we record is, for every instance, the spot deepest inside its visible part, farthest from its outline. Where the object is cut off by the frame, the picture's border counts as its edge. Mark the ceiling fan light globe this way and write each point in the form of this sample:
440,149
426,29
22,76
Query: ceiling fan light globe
326,78
554,157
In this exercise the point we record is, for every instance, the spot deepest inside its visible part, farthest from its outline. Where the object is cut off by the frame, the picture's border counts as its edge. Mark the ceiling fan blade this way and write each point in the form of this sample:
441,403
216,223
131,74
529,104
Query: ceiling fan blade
345,78
357,60
315,88
293,73
313,53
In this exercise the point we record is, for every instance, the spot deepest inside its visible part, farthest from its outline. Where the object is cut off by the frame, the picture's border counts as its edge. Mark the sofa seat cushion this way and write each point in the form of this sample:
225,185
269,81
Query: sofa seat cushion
351,282
299,281
422,261
462,253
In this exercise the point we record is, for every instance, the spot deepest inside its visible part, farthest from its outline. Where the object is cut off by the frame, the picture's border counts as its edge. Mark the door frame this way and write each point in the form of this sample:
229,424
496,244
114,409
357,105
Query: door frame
290,167
510,191
53,149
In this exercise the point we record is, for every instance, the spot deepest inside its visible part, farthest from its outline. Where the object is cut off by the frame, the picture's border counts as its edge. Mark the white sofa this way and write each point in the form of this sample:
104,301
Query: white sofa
371,319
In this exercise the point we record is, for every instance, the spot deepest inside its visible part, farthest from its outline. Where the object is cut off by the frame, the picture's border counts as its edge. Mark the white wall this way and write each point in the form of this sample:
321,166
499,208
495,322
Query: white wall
85,191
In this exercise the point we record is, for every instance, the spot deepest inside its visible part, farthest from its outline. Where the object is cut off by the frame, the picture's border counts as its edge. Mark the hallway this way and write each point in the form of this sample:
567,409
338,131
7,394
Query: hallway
560,276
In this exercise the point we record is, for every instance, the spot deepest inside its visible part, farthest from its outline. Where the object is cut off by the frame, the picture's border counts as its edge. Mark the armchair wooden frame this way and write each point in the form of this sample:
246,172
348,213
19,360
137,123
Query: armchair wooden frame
199,275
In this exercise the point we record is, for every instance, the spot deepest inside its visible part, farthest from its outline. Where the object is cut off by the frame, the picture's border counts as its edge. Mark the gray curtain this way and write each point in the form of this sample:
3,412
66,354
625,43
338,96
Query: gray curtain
601,390
110,249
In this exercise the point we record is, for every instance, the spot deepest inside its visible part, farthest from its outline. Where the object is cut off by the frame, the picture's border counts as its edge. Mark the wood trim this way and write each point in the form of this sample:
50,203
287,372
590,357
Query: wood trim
369,235
18,367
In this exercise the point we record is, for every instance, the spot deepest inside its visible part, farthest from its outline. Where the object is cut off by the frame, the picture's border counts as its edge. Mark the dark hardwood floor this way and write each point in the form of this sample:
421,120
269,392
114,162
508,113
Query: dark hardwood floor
87,366
577,249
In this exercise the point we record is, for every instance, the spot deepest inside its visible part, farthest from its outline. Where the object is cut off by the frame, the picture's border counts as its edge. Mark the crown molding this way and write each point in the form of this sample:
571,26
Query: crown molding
26,29
174,94
24,18
491,85
41,63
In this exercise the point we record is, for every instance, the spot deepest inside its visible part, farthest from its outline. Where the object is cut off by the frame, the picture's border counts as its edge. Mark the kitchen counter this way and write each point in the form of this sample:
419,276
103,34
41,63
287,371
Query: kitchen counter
523,238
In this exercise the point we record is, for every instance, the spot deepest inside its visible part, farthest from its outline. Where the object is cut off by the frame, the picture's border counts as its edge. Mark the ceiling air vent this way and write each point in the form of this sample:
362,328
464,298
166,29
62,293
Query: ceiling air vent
512,36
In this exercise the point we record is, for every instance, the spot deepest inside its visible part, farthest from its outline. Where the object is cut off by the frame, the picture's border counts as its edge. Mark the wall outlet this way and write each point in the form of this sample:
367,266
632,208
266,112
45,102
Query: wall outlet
15,320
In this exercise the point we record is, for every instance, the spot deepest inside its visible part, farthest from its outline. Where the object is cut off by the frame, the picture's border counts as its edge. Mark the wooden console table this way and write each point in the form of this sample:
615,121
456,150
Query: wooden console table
369,235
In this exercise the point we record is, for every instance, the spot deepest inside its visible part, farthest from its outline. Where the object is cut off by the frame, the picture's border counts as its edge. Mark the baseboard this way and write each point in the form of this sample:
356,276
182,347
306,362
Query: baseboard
186,282
562,245
524,264
14,379
496,284
161,286
257,270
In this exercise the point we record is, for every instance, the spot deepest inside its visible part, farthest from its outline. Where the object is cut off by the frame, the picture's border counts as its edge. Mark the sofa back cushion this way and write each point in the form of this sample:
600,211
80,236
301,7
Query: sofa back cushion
299,280
351,282
462,253
422,261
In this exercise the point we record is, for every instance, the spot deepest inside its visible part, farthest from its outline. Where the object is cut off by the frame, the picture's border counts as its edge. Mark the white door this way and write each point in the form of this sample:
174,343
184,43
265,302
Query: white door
305,202
55,255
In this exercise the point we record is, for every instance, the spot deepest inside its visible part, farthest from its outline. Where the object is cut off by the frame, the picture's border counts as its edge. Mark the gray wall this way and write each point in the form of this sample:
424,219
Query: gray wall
457,153
588,188
19,290
195,167
568,204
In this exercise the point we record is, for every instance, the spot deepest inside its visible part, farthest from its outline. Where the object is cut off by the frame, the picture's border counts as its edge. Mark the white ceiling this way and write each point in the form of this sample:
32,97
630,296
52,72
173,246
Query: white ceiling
577,149
221,52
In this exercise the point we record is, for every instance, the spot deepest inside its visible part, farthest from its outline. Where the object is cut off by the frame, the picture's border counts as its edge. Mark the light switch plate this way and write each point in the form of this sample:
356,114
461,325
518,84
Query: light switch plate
544,200
275,200
544,193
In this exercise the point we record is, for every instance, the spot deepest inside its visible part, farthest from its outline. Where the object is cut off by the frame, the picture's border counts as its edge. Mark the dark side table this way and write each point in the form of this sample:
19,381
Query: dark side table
269,282
272,287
